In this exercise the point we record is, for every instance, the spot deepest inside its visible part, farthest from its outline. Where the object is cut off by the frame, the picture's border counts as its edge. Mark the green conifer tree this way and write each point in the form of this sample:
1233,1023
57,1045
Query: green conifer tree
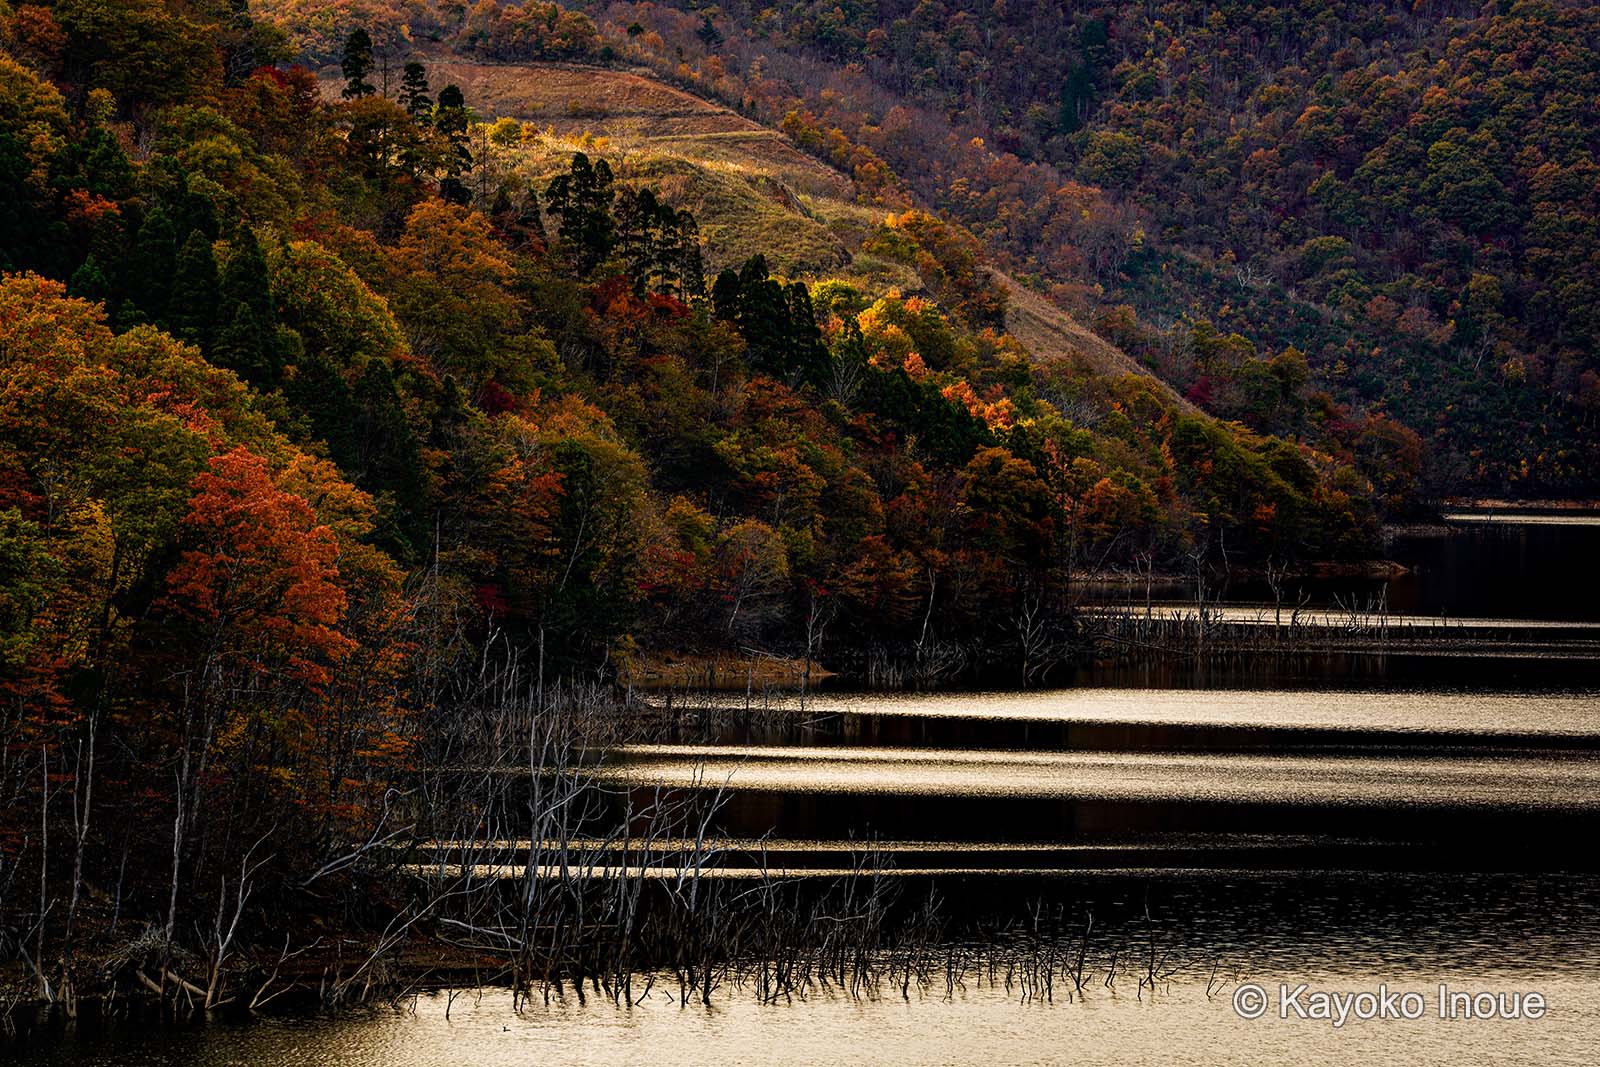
414,90
192,311
452,120
356,65
244,347
582,200
89,281
319,394
150,269
245,279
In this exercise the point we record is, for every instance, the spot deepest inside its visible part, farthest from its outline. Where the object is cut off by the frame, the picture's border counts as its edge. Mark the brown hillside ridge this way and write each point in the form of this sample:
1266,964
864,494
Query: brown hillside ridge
629,106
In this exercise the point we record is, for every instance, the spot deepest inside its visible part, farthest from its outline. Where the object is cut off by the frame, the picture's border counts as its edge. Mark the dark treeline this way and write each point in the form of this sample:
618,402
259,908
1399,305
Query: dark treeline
307,429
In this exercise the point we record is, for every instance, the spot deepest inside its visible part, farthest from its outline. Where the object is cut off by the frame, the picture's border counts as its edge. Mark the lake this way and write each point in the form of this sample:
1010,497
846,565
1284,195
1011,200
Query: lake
1336,931
1342,822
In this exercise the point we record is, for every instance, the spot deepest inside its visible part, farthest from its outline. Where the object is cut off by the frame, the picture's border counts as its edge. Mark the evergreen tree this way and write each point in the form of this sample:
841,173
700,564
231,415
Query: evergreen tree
450,417
388,453
709,35
318,392
582,200
245,280
726,296
414,90
31,236
640,222
89,281
128,315
190,210
688,264
1078,87
19,221
243,347
155,255
101,165
247,340
192,311
806,356
778,323
451,119
357,65
416,102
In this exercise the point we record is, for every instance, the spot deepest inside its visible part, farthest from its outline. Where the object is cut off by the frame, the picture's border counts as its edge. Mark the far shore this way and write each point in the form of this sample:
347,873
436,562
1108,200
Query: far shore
1527,507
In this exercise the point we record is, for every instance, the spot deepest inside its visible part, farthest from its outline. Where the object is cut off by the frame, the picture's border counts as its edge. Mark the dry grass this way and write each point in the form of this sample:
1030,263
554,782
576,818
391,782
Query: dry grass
634,108
1050,333
742,210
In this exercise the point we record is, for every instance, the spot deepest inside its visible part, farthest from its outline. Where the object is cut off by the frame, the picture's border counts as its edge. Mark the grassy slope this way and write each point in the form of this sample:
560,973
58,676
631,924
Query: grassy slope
749,187
1049,332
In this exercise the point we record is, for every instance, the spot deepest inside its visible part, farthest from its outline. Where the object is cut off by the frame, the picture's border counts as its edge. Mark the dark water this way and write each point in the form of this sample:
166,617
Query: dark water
1347,822
1541,569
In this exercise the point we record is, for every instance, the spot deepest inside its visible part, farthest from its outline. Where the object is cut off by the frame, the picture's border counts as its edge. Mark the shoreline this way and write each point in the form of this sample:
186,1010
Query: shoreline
1504,504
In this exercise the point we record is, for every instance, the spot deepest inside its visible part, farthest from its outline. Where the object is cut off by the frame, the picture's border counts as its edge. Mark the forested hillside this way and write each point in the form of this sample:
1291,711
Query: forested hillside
472,352
1403,193
319,398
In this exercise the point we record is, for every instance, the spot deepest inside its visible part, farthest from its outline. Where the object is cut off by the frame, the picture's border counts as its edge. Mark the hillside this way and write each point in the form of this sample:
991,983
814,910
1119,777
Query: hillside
631,370
1048,332
1402,194
633,108
749,187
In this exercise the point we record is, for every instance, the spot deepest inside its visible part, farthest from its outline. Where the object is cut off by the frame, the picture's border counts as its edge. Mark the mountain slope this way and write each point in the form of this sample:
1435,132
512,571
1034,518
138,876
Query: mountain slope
1051,333
749,187
1404,194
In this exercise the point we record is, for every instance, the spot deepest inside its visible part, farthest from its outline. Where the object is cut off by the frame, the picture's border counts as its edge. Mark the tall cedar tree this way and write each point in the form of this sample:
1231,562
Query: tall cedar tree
777,322
192,310
246,341
414,90
155,255
357,65
582,199
452,119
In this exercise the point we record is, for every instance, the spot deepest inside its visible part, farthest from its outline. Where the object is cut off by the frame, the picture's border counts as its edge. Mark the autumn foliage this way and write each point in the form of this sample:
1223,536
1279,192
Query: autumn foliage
310,421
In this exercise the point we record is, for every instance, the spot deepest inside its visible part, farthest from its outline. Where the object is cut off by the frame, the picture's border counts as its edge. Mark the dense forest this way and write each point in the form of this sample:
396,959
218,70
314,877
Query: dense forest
1401,193
309,419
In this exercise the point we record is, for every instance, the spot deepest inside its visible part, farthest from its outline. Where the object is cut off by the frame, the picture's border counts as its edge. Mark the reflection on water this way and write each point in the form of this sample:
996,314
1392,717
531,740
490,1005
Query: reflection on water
1500,781
1573,713
1518,518
1345,934
1534,568
1496,778
976,1026
1486,568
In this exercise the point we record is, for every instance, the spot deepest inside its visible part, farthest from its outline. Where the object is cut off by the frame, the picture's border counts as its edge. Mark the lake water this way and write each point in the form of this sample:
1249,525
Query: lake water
1346,822
1488,566
1180,1025
1347,933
